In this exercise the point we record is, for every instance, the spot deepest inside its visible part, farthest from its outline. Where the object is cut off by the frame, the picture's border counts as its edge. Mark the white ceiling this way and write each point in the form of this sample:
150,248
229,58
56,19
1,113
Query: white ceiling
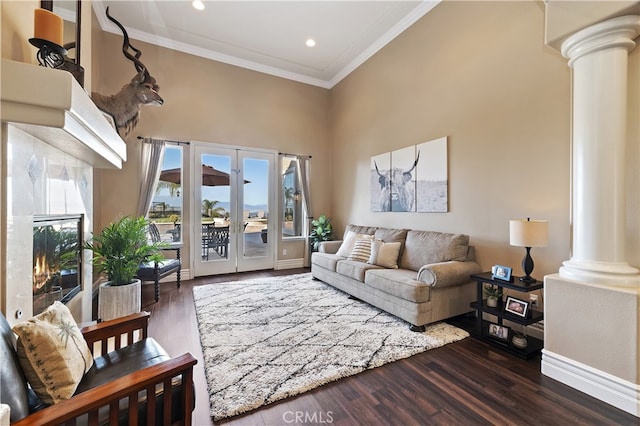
269,36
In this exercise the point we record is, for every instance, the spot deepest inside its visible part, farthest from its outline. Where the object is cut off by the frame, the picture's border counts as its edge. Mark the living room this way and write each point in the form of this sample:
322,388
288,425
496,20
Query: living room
478,73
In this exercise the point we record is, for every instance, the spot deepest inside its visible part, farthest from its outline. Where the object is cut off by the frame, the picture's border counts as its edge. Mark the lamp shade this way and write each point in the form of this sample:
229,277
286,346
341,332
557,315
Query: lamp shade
528,233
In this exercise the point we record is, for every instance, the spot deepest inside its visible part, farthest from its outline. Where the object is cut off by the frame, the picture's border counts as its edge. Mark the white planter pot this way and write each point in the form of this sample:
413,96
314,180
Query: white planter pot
118,301
492,302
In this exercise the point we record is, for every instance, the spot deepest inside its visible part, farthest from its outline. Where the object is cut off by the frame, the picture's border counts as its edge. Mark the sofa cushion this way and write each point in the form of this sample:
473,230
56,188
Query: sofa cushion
329,246
361,249
400,283
391,234
134,357
425,247
349,241
325,260
118,363
347,244
385,254
53,353
366,230
353,269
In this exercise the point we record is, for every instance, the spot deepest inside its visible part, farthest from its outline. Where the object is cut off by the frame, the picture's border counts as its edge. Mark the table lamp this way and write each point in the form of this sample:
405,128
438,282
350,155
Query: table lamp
528,233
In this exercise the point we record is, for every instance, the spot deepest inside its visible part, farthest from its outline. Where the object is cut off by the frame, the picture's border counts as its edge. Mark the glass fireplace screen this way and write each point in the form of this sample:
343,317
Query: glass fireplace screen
57,259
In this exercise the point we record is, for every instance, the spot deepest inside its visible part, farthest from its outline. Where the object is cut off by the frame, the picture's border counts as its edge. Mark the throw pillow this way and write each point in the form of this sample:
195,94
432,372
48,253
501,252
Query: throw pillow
347,244
361,249
52,353
385,254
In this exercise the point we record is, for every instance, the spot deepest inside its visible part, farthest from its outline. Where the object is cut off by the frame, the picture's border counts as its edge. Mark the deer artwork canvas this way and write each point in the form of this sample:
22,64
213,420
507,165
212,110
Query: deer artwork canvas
125,105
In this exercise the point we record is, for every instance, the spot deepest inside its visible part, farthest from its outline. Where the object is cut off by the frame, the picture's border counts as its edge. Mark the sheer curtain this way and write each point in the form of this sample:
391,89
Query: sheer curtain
303,175
151,163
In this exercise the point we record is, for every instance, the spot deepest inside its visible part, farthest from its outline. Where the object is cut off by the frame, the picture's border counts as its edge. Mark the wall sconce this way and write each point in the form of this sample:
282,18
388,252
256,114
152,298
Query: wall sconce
528,233
297,195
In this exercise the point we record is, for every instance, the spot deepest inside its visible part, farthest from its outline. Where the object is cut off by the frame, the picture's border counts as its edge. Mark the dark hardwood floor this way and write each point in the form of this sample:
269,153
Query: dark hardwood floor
463,383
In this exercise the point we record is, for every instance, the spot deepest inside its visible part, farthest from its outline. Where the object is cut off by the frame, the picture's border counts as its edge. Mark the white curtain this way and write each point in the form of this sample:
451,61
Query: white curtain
151,163
303,175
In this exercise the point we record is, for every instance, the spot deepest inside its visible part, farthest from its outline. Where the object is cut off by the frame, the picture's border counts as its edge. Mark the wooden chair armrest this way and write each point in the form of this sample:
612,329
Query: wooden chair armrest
125,387
115,330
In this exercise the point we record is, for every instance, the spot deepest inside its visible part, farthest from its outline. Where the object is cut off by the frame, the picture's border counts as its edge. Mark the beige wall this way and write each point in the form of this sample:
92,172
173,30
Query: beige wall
480,74
211,102
17,29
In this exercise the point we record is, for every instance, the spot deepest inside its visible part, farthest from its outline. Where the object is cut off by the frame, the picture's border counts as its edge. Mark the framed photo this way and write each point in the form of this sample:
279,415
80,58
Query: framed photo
516,307
499,332
501,273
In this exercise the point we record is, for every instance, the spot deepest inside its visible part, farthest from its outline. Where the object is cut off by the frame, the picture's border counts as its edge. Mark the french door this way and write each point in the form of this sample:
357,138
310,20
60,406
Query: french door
234,209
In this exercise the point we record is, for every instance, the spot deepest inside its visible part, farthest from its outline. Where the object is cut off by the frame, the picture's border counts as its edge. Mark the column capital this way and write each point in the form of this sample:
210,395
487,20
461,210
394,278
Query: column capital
616,32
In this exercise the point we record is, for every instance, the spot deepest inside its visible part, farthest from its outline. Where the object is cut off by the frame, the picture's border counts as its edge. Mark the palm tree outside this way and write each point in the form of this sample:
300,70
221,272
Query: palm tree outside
209,209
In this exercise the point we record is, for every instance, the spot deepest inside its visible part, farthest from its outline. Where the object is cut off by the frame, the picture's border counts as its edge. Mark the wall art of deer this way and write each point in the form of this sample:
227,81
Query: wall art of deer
125,105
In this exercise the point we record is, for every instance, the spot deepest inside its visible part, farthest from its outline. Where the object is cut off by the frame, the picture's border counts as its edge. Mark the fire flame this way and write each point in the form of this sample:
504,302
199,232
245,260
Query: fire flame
41,272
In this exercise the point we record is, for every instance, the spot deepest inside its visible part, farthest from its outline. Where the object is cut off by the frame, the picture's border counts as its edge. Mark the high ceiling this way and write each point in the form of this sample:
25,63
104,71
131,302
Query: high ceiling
270,36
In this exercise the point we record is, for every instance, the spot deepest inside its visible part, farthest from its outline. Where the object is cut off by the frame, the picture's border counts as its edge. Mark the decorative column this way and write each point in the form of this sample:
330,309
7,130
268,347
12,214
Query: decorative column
599,56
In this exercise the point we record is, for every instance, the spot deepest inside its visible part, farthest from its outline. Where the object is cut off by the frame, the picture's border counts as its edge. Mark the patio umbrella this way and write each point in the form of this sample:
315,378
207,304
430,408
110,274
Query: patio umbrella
210,176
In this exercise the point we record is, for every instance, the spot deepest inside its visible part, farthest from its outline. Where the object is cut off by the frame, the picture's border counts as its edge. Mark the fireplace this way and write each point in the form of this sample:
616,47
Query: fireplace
52,143
57,259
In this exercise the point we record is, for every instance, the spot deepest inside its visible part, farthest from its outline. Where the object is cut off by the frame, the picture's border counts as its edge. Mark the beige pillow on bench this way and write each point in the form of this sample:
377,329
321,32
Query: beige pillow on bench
53,353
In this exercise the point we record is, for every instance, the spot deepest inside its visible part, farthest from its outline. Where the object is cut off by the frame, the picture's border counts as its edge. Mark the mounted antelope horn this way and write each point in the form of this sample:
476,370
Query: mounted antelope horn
126,45
125,105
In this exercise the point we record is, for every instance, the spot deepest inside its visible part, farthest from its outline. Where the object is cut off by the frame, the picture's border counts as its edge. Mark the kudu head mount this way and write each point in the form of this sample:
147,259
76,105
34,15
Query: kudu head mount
125,105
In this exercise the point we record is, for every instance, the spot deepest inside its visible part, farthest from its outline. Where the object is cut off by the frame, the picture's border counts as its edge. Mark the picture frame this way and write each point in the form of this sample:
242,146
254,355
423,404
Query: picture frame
502,273
499,332
516,307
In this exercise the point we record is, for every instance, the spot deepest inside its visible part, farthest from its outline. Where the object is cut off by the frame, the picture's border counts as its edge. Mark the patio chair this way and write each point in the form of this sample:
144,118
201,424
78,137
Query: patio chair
216,238
155,271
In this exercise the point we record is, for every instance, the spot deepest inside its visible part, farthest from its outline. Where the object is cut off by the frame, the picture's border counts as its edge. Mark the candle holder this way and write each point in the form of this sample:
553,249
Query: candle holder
49,54
73,65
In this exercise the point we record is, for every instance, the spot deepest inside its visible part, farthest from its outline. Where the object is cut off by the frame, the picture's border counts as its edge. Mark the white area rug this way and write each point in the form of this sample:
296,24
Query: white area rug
270,338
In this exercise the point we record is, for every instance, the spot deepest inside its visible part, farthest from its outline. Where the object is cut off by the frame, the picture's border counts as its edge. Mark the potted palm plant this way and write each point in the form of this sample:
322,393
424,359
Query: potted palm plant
118,251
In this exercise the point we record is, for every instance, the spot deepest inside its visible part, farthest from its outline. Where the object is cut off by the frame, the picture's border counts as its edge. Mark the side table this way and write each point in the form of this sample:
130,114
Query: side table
534,345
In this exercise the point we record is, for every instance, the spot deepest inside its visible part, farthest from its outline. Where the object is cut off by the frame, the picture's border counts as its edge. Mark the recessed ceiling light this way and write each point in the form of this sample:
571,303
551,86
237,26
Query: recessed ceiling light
198,4
310,42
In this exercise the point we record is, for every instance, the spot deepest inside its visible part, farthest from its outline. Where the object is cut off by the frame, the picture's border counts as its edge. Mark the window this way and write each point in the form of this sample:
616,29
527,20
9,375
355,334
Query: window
292,209
166,207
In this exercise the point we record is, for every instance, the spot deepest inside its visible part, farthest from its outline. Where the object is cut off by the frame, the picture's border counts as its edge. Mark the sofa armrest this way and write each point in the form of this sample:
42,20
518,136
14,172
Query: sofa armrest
330,247
124,387
445,274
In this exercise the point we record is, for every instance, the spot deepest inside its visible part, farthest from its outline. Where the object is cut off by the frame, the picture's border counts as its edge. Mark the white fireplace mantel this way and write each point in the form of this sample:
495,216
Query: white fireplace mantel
50,105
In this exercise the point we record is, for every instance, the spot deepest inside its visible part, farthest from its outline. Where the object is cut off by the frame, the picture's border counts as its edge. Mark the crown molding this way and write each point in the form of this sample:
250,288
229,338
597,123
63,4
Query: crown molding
419,11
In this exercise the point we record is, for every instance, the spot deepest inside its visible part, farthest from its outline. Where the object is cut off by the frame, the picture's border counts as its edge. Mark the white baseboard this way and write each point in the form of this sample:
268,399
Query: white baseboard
290,264
620,393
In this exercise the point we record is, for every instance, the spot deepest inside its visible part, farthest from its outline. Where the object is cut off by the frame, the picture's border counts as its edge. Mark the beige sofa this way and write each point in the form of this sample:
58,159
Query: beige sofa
430,283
